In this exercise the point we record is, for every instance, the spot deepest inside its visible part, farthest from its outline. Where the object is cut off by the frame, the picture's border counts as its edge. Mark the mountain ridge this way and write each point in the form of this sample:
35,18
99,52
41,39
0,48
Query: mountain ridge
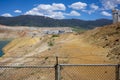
42,21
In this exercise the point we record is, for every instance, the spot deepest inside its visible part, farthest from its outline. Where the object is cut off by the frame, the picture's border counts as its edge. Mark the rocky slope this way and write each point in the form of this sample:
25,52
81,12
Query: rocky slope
9,32
107,37
98,46
12,32
71,48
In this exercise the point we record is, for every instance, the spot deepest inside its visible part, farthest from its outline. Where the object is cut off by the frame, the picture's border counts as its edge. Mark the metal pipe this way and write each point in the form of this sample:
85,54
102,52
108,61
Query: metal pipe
88,64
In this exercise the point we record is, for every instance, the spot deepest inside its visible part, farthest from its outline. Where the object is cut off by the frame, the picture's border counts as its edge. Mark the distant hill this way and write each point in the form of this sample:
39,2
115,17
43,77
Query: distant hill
41,21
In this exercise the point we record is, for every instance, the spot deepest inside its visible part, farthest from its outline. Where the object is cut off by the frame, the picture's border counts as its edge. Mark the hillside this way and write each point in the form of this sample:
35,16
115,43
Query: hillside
41,21
94,46
100,45
97,46
69,47
106,37
10,32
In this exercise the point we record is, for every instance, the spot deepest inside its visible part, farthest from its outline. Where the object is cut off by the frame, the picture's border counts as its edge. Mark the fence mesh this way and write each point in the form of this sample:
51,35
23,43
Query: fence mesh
88,72
27,73
46,68
28,68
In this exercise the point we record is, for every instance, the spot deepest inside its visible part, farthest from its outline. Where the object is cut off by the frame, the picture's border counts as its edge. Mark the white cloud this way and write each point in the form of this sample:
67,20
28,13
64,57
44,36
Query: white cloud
54,6
93,8
105,13
53,11
18,11
59,6
73,13
110,4
34,11
56,15
7,15
88,11
78,5
44,7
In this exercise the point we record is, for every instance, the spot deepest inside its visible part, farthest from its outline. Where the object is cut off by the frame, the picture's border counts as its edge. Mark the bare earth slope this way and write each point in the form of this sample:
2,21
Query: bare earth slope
69,47
98,46
107,37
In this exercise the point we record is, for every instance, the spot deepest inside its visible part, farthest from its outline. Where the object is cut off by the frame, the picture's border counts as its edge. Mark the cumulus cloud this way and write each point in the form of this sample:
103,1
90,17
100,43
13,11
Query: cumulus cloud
78,5
34,11
59,6
105,13
6,15
53,11
110,4
56,15
54,6
88,11
73,13
18,11
93,8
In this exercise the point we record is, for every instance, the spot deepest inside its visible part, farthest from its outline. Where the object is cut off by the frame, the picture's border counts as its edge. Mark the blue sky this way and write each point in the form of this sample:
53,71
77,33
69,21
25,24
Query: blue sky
60,9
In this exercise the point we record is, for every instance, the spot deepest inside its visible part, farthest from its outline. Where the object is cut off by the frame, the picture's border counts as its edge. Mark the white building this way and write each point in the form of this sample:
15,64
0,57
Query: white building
116,15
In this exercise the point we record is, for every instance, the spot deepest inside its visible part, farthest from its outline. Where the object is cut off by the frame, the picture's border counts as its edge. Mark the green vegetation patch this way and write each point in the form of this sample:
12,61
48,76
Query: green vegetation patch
55,35
78,29
50,43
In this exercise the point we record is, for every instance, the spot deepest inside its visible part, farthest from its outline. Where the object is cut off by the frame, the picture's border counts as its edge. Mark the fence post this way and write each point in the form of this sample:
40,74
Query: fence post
57,70
117,72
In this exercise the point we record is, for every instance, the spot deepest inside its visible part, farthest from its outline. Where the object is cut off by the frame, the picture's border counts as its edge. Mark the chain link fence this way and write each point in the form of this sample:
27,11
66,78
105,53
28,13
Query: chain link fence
28,68
60,72
48,69
89,72
27,73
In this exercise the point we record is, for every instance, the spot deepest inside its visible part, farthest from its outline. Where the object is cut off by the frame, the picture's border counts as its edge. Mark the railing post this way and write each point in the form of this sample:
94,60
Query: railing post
57,70
117,72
